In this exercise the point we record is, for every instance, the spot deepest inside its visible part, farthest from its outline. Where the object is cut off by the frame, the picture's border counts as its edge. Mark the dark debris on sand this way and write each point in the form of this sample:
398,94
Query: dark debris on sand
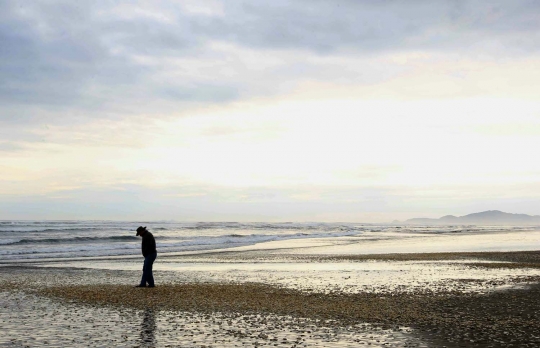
504,318
531,258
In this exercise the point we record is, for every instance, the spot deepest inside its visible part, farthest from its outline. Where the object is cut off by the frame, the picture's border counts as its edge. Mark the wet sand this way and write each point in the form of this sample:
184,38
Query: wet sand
36,321
516,257
92,307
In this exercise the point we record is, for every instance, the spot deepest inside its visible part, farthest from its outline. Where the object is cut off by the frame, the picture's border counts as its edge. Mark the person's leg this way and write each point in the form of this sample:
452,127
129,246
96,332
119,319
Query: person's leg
149,266
144,273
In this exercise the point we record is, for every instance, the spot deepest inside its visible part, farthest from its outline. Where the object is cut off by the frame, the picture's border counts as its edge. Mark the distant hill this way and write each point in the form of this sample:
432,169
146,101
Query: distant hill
490,217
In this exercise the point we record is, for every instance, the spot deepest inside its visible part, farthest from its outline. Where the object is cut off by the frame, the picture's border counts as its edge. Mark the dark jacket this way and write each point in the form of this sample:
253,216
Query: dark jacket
148,245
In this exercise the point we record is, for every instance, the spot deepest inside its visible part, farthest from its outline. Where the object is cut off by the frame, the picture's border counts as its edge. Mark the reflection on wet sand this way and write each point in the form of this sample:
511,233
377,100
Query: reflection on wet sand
148,328
88,311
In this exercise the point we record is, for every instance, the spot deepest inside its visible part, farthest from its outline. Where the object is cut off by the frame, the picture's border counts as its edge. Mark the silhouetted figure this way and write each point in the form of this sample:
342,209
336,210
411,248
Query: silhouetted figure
149,252
148,328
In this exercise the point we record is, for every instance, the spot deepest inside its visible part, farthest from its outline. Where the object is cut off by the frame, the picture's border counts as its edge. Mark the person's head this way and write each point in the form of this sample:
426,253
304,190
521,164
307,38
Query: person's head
141,230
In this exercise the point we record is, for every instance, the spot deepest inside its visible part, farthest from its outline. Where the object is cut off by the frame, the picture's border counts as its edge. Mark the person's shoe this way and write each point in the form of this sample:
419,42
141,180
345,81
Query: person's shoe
140,286
151,286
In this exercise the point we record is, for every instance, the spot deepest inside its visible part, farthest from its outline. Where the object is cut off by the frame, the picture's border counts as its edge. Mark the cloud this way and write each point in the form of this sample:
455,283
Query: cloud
207,203
339,95
112,59
509,130
370,26
192,203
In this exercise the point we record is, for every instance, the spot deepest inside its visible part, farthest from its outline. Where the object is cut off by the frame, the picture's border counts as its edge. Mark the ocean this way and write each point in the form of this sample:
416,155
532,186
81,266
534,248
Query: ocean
40,240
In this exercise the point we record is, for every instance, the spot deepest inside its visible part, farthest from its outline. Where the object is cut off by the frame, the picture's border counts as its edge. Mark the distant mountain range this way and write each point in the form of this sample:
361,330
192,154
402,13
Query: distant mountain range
490,217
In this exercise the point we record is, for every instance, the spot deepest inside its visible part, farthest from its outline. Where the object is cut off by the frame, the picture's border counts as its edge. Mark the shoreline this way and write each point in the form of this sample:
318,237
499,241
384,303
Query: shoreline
510,256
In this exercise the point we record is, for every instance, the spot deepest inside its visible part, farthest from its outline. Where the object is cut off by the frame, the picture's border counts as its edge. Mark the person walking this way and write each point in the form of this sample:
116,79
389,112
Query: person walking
149,252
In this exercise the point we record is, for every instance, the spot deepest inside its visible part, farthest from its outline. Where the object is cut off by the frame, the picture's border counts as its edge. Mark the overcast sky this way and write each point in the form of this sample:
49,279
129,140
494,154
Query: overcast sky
311,110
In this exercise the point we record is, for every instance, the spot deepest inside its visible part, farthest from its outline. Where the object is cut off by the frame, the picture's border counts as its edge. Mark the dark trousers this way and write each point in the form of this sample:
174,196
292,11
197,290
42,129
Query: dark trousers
147,276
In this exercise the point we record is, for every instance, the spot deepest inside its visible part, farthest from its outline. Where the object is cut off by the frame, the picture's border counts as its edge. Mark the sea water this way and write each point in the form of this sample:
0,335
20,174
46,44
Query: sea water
39,240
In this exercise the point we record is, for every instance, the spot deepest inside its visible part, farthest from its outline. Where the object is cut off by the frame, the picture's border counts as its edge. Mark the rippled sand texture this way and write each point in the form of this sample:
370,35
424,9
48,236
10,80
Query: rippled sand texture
236,299
32,321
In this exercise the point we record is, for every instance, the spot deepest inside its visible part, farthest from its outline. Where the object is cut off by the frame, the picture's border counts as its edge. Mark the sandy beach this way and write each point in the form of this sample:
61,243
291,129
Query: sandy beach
477,299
